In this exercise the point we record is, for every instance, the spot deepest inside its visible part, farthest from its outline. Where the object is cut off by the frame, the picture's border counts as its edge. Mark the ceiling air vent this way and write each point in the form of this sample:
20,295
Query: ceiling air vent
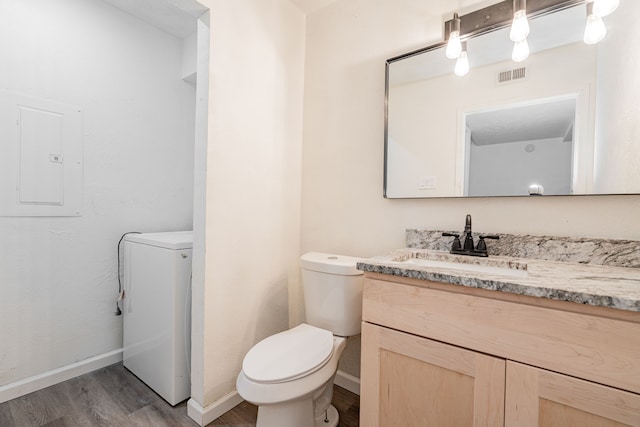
512,75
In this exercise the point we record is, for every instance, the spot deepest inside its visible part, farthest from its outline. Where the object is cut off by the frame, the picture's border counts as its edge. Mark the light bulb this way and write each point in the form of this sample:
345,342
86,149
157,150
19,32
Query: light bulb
520,51
520,26
595,30
462,64
454,47
604,7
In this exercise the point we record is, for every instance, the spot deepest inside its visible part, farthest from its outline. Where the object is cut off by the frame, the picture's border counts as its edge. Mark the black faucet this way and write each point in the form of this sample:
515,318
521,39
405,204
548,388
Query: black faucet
468,238
469,248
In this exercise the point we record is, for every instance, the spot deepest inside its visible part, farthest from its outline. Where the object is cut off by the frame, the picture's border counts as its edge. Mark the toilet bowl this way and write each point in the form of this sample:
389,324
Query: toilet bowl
289,375
285,396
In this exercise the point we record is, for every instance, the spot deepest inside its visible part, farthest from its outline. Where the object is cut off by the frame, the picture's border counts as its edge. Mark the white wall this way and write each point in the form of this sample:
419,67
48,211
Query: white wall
198,265
343,210
509,169
58,275
252,185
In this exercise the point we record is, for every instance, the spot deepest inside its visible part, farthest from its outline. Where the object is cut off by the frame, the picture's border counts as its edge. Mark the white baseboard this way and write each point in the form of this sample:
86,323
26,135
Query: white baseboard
348,382
204,416
55,376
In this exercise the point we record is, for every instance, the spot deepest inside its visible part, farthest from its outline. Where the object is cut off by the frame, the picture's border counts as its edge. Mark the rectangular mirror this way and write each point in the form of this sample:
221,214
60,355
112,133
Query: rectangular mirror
563,122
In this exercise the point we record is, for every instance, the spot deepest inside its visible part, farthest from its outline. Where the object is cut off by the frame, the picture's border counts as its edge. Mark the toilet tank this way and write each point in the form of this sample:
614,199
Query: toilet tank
332,292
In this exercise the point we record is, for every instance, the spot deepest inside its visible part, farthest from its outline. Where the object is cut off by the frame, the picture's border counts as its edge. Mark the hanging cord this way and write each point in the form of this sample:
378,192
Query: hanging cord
120,289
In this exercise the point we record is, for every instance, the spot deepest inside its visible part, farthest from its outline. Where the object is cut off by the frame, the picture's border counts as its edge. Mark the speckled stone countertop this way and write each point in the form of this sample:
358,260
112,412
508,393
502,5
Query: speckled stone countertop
579,282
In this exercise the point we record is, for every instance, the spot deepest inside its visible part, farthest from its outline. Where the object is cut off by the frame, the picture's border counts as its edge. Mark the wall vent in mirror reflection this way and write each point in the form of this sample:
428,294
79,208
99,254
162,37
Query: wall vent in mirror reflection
517,74
582,91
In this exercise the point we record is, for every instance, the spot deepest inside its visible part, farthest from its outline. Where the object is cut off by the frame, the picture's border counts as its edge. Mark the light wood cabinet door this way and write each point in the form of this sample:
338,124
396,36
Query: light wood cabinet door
539,398
410,381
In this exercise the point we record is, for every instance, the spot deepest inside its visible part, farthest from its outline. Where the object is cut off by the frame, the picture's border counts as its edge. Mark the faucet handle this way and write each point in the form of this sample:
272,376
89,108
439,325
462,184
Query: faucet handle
456,246
482,246
490,236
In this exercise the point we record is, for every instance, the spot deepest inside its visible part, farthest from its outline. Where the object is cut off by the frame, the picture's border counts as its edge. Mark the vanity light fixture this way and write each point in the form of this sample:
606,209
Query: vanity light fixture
519,31
604,7
520,25
514,15
595,30
454,46
462,63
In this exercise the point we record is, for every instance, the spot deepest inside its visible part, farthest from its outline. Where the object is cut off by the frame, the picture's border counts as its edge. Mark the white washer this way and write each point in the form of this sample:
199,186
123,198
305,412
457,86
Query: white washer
157,311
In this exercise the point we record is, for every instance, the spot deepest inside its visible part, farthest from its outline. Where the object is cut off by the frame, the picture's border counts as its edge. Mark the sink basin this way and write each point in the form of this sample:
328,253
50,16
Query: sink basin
440,260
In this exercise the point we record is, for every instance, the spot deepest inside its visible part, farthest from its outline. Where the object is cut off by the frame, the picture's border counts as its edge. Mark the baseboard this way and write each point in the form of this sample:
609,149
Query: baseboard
348,382
204,416
55,376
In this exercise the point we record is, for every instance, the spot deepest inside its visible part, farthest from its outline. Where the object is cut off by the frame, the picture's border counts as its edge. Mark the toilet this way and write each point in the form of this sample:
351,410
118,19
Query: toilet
289,375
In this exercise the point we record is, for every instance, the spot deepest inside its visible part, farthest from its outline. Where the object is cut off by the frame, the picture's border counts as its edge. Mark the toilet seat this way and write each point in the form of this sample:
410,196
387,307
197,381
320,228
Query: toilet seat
288,355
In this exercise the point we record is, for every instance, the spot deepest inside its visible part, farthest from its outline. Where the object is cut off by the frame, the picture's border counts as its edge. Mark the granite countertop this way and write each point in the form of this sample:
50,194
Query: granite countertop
598,285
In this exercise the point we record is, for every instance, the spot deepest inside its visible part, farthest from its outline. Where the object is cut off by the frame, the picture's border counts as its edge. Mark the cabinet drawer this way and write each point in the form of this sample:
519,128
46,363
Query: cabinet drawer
602,350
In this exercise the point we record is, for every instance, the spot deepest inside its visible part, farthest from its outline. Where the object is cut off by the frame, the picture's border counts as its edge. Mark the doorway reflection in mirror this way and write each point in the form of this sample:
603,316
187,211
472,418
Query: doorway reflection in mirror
512,147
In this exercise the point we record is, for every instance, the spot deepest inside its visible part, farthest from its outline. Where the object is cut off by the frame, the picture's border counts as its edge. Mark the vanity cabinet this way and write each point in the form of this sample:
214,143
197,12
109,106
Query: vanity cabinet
443,355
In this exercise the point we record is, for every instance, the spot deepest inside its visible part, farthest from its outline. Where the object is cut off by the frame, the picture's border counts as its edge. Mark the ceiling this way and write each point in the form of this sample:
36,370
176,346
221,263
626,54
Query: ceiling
178,17
550,119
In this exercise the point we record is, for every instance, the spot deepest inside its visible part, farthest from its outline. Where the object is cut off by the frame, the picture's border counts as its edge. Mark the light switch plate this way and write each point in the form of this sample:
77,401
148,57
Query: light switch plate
427,182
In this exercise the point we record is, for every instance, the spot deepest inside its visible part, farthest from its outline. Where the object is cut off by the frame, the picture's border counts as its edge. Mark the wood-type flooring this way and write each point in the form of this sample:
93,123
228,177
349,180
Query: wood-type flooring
112,396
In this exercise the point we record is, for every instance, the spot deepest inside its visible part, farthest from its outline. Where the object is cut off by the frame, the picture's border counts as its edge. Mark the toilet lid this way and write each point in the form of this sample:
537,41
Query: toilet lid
289,355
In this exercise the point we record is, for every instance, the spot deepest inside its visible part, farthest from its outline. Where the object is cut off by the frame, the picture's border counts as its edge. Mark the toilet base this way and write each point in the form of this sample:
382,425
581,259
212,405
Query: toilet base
331,418
295,414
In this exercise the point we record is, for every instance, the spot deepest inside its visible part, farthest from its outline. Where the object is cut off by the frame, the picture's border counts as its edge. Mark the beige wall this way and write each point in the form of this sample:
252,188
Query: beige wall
253,176
343,210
